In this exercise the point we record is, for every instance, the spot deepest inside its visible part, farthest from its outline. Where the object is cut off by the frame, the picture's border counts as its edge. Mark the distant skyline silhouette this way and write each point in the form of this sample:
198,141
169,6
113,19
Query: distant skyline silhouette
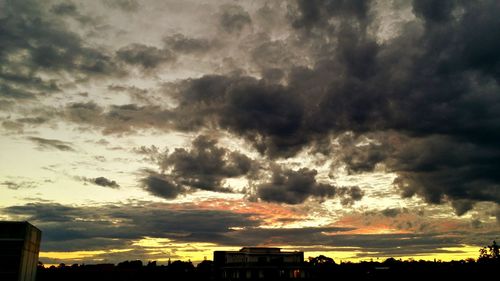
359,130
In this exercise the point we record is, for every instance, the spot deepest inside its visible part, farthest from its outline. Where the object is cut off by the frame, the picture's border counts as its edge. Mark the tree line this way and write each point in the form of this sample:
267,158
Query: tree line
319,268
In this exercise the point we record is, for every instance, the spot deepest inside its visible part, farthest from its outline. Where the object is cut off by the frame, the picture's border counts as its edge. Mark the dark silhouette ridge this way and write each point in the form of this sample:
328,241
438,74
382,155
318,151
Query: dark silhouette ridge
318,268
391,269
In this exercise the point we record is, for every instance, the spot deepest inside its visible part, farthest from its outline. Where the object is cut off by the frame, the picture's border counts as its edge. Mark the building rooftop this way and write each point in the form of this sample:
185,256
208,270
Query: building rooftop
15,229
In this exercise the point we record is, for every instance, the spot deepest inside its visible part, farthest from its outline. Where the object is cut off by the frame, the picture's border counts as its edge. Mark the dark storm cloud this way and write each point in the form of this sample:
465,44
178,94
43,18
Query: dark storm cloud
294,187
48,47
427,97
50,212
462,206
206,164
93,227
434,11
146,56
269,115
161,186
68,228
51,144
233,18
439,168
102,181
359,153
204,167
317,12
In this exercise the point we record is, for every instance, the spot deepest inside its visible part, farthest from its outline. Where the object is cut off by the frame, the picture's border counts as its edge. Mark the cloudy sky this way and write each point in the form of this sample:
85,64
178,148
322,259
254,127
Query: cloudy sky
168,129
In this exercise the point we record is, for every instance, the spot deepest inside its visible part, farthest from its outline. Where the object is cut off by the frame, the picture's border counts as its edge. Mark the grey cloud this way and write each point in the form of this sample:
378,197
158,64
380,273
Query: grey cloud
68,228
146,56
20,123
434,11
7,91
360,153
349,195
294,187
309,13
182,44
233,18
206,164
430,93
124,5
102,181
204,167
268,115
6,105
275,56
162,186
52,143
33,120
462,206
52,212
83,112
391,212
18,184
131,222
117,119
427,95
50,49
12,125
440,168
68,8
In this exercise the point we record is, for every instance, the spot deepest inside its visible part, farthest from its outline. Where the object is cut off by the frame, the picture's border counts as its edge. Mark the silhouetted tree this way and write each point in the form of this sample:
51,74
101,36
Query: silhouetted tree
390,261
205,270
181,267
205,266
320,260
489,253
130,264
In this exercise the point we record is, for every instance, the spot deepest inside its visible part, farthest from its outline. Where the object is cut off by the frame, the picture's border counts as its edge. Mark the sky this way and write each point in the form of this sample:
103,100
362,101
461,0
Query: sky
160,130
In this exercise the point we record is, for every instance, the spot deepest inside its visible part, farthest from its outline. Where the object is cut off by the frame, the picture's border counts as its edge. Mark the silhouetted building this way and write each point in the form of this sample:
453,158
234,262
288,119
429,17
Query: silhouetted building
19,247
259,263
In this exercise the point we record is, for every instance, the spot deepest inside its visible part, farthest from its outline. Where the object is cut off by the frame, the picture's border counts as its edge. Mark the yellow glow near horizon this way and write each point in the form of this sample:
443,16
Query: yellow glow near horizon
162,249
76,255
456,253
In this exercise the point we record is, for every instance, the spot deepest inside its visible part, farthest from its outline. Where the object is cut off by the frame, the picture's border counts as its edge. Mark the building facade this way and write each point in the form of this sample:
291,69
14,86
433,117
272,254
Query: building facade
253,263
19,248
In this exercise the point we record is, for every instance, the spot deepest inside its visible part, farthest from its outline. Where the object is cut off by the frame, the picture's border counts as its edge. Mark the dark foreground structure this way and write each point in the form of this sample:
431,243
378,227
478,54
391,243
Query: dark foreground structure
271,264
254,263
19,248
184,271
